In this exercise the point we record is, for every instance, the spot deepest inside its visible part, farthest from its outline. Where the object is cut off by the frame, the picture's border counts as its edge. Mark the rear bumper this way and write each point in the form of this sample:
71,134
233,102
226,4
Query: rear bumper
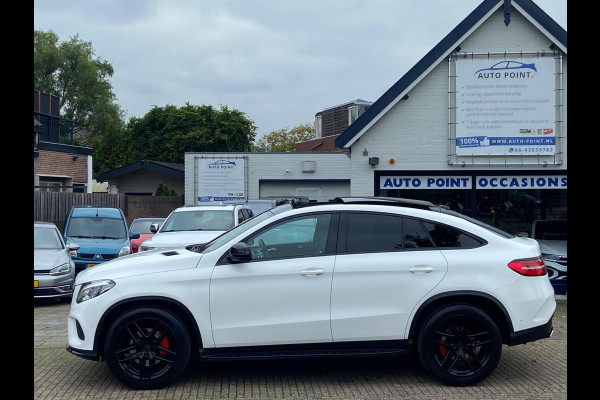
532,334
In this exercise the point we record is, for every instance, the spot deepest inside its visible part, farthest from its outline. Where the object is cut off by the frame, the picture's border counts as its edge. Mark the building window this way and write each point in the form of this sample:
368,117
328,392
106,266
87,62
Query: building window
319,126
50,186
352,115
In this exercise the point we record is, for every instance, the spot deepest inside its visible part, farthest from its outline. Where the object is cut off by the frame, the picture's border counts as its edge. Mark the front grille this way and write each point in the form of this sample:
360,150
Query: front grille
90,256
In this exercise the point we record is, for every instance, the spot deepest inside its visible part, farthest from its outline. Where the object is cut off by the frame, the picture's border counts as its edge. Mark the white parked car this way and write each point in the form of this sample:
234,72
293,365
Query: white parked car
354,276
195,225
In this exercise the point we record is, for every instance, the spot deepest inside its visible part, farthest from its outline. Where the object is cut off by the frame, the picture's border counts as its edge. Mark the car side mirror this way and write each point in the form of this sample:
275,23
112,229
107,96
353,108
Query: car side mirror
134,236
72,247
153,228
240,253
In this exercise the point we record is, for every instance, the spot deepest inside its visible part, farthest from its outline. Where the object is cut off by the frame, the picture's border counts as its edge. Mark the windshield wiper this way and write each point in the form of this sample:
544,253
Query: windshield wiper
81,236
104,237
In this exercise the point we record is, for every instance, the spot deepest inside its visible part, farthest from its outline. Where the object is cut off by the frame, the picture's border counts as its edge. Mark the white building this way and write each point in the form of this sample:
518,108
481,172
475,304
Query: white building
479,124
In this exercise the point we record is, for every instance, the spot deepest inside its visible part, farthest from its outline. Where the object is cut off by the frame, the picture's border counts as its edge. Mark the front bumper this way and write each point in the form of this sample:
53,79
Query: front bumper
87,354
52,286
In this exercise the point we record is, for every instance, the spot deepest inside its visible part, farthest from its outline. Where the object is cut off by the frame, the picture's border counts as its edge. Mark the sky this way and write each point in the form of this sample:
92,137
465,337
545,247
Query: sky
278,61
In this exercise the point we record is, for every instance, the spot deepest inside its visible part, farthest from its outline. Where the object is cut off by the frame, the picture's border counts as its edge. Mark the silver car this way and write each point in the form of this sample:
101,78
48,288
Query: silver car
53,268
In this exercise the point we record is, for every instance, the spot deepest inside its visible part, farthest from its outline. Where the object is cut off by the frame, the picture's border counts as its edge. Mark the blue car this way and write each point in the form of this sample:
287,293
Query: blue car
508,65
101,232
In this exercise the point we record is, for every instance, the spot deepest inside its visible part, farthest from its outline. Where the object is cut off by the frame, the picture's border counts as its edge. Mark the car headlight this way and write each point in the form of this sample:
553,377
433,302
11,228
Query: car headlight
125,250
61,270
94,289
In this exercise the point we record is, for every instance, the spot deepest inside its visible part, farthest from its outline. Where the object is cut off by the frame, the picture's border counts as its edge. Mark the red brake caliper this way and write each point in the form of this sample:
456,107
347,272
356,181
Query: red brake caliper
164,342
443,349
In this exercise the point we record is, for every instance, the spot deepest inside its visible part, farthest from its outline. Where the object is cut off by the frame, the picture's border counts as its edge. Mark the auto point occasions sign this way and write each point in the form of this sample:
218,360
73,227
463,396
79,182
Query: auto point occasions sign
220,179
481,182
505,107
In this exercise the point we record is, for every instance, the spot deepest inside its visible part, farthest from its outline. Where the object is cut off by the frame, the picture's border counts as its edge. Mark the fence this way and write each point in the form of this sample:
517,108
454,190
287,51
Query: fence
55,206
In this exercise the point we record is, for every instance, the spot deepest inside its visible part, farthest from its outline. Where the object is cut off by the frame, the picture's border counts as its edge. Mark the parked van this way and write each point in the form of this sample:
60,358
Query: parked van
101,233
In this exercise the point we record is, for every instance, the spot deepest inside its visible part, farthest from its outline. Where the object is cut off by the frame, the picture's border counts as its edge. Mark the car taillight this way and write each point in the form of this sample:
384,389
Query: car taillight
529,267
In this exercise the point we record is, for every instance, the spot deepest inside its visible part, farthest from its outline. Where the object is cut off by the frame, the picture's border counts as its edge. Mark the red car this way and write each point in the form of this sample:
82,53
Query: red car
142,226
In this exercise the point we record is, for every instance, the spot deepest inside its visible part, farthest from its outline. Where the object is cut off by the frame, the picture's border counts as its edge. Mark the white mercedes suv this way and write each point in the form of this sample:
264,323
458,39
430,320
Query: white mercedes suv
353,276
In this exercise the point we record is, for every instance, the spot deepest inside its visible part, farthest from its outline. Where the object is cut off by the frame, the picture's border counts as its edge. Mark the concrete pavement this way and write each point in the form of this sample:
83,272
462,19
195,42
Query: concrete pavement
532,371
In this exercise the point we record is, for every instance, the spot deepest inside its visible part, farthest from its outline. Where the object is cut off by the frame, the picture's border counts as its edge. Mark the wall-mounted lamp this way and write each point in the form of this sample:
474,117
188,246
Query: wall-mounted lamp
365,152
545,163
75,158
392,160
373,161
463,164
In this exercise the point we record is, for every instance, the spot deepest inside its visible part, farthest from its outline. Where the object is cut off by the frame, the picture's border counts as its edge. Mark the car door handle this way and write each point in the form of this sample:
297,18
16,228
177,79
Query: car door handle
312,272
421,270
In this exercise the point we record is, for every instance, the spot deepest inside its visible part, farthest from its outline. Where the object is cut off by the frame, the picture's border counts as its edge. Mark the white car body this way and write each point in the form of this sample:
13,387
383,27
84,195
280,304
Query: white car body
331,298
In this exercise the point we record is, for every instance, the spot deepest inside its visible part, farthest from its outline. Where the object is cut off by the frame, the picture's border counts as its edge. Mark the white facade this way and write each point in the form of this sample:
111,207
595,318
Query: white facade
279,174
415,131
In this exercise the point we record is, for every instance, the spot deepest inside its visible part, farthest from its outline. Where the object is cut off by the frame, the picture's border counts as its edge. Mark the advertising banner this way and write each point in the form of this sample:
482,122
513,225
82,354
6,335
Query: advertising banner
220,179
505,107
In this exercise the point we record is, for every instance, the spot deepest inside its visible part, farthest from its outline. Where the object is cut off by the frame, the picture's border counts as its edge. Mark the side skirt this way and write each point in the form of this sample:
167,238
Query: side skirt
312,350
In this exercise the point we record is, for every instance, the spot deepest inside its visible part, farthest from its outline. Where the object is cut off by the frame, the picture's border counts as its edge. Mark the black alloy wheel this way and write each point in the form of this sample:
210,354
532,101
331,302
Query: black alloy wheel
459,345
147,348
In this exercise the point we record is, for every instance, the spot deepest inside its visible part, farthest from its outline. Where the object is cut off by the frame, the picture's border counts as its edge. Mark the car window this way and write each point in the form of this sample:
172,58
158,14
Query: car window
96,227
414,235
44,238
295,237
241,216
143,226
447,237
199,220
369,232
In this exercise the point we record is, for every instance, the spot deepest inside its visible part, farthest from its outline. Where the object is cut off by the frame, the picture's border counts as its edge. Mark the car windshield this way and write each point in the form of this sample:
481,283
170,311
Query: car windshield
238,230
96,228
44,238
143,226
199,220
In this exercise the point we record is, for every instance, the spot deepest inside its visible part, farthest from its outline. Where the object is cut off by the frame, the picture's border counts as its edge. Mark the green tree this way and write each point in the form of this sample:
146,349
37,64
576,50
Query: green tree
284,140
70,71
164,190
167,133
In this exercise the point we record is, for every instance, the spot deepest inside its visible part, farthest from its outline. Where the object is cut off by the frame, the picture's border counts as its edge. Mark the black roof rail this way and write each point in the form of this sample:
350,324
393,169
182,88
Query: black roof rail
380,200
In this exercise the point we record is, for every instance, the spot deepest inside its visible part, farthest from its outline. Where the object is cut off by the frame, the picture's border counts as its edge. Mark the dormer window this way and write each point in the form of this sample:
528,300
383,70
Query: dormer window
352,114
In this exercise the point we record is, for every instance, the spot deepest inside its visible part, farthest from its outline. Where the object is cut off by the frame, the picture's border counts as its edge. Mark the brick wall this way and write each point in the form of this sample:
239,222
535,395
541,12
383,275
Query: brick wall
58,163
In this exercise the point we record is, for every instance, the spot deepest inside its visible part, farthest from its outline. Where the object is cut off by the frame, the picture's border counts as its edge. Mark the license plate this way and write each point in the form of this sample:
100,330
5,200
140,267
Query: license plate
91,265
36,283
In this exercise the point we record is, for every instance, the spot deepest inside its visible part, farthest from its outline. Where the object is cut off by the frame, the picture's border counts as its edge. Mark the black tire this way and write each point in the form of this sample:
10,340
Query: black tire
459,345
147,348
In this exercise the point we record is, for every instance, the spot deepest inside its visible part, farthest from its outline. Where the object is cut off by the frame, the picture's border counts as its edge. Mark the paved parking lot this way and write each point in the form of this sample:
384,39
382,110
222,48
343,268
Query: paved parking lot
532,371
